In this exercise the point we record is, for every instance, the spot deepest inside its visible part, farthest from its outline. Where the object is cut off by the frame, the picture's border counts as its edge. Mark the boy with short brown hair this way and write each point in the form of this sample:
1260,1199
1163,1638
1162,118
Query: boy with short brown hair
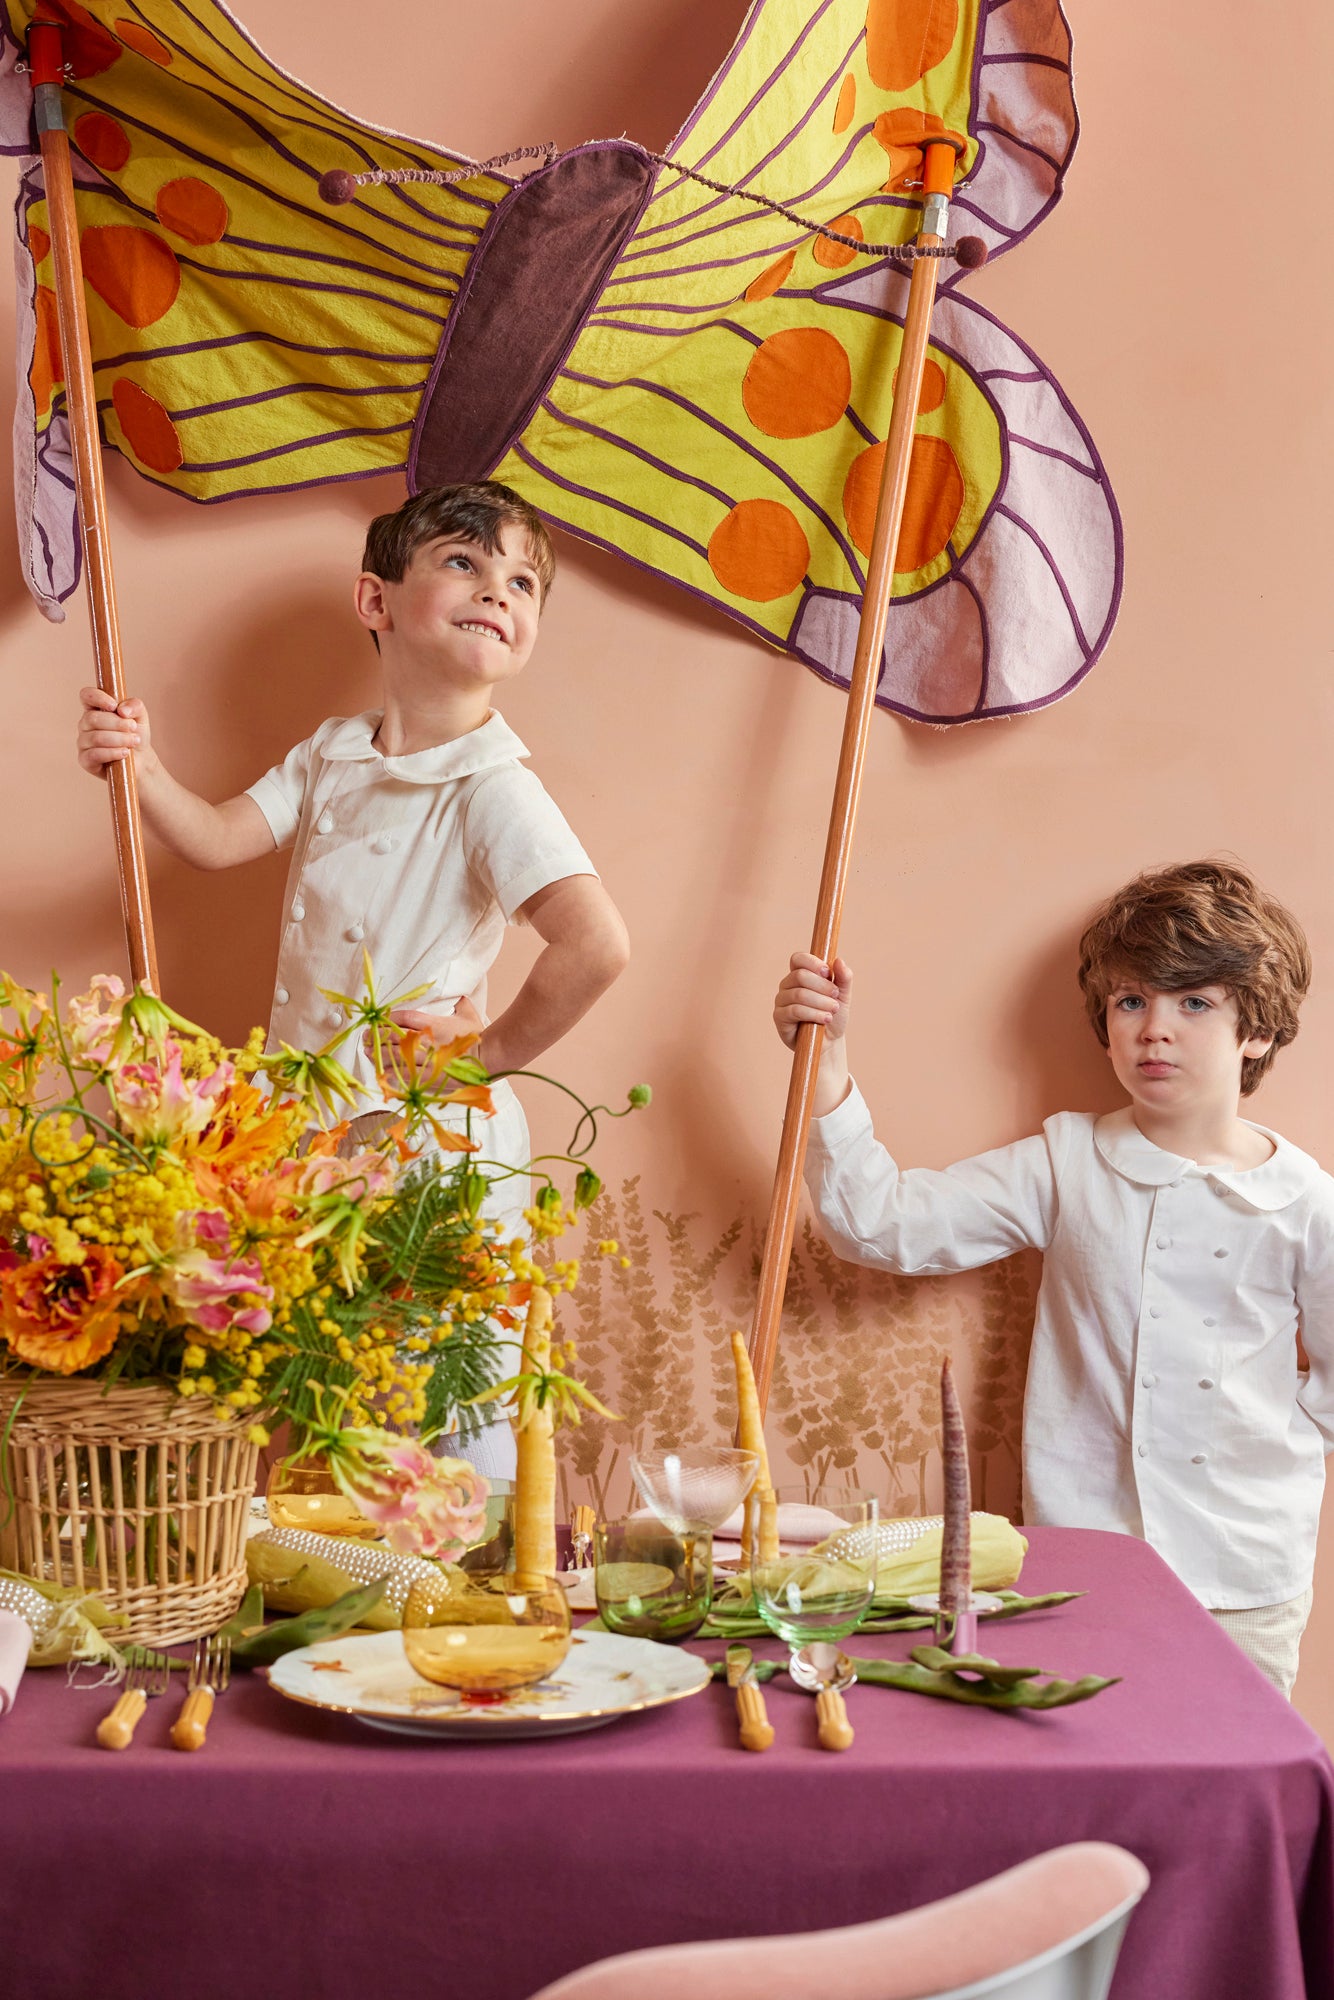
1184,1247
417,833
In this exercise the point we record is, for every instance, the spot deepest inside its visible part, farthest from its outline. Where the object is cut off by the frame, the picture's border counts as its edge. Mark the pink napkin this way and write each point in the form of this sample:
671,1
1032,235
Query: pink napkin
15,1639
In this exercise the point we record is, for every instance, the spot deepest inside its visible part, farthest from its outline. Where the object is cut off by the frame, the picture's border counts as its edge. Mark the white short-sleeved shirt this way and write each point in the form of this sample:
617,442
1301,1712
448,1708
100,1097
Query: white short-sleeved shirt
421,861
1164,1395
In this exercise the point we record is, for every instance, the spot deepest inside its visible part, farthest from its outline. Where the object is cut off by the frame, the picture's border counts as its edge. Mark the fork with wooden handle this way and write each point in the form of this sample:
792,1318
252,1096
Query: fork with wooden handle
831,1720
755,1729
210,1671
149,1674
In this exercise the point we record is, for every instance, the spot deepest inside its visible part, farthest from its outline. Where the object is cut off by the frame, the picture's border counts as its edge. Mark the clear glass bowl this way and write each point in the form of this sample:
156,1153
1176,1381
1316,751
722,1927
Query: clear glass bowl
486,1635
692,1487
825,1591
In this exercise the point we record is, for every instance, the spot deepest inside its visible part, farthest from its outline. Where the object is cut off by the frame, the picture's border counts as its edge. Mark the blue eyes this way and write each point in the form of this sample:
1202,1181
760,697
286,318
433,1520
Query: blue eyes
1133,1003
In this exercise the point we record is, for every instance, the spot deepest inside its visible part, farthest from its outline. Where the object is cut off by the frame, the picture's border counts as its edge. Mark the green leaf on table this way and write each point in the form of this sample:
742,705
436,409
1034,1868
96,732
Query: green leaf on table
252,1648
976,1681
734,1615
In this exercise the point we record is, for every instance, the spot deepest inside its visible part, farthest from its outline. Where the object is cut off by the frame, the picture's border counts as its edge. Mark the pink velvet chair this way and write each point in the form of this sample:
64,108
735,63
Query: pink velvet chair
1049,1929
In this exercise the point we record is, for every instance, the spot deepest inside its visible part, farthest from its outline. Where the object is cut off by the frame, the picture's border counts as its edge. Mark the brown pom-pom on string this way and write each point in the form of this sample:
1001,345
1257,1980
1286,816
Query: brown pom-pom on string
337,186
970,251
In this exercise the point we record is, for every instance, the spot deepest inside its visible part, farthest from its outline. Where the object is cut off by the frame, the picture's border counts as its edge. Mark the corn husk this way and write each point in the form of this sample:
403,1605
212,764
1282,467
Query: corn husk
908,1563
299,1571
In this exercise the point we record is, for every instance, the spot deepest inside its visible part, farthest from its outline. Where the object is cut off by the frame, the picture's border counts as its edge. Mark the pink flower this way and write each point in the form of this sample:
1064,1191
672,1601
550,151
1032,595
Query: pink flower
433,1507
364,1178
92,1018
160,1105
207,1289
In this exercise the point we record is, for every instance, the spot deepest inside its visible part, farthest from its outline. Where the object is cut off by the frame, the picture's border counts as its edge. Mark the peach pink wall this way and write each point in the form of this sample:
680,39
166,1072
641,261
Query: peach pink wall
697,764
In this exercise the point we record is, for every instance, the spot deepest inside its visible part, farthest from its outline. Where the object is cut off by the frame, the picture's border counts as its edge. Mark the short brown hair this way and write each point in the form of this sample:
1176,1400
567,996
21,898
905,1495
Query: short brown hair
475,512
1202,923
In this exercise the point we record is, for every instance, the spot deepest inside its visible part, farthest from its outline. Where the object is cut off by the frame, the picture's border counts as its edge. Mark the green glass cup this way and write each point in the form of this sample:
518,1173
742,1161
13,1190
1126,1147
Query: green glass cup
825,1590
649,1583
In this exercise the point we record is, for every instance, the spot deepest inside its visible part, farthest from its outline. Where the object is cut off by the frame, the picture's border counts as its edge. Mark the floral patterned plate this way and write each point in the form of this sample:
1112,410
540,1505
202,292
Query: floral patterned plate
602,1677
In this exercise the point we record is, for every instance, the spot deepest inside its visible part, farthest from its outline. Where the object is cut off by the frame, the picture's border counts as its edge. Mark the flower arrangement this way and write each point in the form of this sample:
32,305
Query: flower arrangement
174,1210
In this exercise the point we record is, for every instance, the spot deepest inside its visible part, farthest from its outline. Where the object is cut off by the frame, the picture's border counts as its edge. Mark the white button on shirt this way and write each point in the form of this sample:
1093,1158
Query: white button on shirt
431,856
1094,1194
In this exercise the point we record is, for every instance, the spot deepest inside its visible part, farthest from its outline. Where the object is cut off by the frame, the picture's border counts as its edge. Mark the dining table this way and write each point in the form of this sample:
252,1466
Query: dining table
302,1852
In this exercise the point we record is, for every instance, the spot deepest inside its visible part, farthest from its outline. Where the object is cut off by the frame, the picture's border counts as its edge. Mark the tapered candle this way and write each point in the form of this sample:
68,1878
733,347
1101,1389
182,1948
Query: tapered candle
750,1437
535,1448
956,1553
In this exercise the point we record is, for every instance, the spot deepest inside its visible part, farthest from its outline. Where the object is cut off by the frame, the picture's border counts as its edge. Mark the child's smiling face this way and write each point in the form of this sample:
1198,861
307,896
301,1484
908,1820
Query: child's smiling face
1177,1051
471,610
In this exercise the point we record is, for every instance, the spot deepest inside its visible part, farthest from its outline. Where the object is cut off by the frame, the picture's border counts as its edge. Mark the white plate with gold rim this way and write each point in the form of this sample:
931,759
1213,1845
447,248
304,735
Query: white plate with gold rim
602,1677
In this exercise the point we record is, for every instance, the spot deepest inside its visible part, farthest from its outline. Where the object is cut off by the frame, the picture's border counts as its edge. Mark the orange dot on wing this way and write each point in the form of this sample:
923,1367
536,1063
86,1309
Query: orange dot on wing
103,140
149,431
768,281
192,209
132,269
38,243
144,42
845,109
932,393
48,365
759,550
798,383
835,255
906,38
931,506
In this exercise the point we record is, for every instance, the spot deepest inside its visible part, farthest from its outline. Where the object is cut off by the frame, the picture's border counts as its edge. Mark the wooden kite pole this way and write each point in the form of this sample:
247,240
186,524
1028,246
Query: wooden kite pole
938,180
46,66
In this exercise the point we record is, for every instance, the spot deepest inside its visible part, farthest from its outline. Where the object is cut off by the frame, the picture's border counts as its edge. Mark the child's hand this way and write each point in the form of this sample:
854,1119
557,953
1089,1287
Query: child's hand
437,1027
809,993
109,734
433,1026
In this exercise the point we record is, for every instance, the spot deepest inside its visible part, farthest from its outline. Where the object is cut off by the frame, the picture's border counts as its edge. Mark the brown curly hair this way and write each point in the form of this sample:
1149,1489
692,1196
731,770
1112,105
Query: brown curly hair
1202,923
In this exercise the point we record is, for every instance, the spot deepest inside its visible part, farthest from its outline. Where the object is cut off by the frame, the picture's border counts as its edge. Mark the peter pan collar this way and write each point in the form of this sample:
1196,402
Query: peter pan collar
1283,1178
349,742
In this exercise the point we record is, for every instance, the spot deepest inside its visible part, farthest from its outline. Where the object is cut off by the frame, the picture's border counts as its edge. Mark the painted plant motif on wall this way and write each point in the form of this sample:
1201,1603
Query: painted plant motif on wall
857,1381
698,382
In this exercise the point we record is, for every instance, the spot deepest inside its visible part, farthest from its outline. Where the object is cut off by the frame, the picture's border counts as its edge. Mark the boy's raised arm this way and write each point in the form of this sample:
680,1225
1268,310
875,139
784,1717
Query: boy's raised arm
205,835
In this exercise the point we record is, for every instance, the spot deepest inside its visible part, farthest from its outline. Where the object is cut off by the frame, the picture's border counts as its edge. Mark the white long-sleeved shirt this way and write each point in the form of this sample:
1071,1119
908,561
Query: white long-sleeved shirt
1164,1396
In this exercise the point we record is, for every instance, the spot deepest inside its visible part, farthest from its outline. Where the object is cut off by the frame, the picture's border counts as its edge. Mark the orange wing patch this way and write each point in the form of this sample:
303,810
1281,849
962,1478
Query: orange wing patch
759,550
906,38
149,431
798,383
133,270
192,209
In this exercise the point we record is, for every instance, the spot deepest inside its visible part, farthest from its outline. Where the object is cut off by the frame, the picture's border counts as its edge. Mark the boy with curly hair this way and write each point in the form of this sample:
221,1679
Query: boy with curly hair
1185,1248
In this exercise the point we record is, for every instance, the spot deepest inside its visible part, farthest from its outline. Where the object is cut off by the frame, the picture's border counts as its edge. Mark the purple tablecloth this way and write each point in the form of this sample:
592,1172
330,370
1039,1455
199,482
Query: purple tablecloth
307,1855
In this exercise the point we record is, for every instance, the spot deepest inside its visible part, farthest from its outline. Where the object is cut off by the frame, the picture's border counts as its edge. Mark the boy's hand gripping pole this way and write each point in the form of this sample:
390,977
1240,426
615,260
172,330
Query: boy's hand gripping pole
46,70
937,181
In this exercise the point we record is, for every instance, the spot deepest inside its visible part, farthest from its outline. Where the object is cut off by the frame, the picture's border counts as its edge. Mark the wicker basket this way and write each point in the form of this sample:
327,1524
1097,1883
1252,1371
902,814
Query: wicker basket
133,1494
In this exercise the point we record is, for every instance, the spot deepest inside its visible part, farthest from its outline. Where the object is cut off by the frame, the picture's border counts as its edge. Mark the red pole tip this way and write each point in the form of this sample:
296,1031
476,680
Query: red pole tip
337,186
969,250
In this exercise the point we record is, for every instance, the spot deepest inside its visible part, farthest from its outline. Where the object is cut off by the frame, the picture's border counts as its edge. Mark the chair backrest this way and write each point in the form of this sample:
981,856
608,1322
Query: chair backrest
1049,1929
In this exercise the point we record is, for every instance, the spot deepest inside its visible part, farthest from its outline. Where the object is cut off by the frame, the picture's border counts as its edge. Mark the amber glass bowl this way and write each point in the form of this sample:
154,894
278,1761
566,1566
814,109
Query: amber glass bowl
305,1495
487,1634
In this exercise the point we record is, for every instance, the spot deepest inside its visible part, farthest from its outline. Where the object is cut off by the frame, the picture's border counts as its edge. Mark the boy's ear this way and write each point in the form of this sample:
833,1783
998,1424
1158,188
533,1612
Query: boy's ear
371,602
1256,1045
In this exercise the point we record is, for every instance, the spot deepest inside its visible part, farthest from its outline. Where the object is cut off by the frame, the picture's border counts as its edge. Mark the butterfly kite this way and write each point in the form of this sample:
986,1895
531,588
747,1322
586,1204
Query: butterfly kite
699,381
